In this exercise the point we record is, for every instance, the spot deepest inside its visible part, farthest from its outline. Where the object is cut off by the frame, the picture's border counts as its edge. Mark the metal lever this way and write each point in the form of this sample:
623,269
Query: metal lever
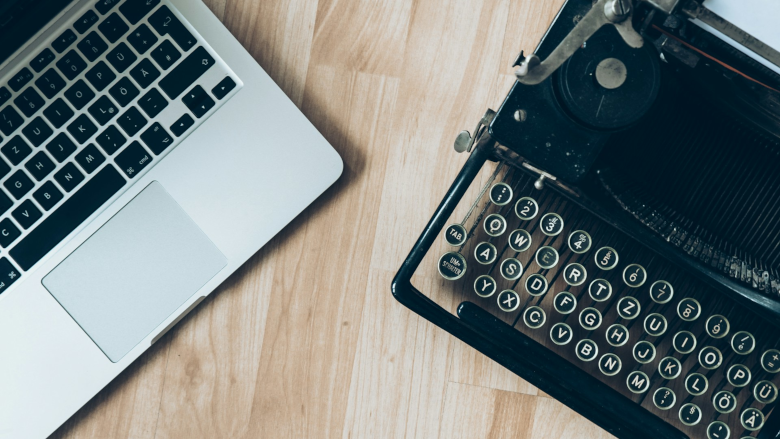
532,71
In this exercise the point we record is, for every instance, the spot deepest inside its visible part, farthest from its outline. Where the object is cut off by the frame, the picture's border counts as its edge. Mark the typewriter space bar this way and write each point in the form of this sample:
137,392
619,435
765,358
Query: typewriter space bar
67,217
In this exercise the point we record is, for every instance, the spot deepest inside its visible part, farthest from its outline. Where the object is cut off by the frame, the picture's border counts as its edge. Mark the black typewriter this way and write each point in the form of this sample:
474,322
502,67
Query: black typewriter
614,236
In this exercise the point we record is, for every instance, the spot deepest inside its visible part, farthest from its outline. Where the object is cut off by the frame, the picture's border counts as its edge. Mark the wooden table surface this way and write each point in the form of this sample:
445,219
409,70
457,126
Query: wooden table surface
306,341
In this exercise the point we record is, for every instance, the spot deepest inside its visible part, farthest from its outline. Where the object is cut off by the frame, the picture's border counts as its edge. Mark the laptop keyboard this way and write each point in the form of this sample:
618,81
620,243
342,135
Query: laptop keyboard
94,109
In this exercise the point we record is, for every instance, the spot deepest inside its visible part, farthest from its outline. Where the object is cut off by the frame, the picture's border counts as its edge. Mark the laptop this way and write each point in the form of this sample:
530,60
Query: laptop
144,156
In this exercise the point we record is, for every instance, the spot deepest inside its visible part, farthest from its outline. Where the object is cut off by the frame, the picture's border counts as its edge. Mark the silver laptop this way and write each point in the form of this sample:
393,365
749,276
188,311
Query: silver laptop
144,156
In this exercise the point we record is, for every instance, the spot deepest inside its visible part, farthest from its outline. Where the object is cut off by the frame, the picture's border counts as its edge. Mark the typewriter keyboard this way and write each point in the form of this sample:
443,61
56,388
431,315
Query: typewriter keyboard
596,297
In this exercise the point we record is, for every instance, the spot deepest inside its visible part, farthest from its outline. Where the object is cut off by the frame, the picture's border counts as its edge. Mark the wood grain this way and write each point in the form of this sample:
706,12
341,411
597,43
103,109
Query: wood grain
306,341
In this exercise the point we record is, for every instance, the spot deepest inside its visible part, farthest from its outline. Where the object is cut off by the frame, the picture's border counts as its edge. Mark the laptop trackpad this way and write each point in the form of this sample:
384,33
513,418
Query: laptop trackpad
135,271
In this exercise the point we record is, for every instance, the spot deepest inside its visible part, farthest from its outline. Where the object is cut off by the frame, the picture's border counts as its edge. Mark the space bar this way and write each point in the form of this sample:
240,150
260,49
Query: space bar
67,217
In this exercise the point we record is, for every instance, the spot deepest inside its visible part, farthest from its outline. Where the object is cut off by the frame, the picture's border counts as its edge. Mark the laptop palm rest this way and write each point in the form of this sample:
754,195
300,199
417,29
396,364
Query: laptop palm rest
135,271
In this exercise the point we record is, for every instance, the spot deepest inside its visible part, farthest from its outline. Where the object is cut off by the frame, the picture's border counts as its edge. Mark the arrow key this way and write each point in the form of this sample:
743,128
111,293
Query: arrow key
182,125
223,88
198,101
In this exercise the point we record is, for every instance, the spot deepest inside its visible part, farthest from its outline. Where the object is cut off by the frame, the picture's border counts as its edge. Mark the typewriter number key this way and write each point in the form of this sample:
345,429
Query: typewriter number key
565,302
655,324
495,225
638,382
500,194
534,317
580,241
644,352
669,368
696,384
485,286
452,266
684,342
710,357
770,361
717,326
526,208
587,350
738,375
617,335
574,274
628,308
561,333
664,398
689,309
725,402
590,319
536,284
765,392
690,414
600,290
511,269
610,364
508,300
485,253
634,275
661,292
743,342
520,240
606,258
752,419
546,257
551,224
718,430
455,235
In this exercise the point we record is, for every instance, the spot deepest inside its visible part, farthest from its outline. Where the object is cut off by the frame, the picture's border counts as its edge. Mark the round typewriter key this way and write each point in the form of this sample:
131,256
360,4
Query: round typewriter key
551,224
717,326
526,208
661,292
738,375
664,398
752,419
452,266
610,364
696,384
546,257
495,225
455,235
655,324
586,350
724,402
508,300
743,342
580,241
534,317
690,414
765,392
689,309
770,361
600,290
485,253
638,382
565,302
718,430
574,274
590,318
634,275
561,333
710,357
684,342
519,240
511,269
500,194
536,284
628,308
485,286
617,335
606,258
644,352
669,368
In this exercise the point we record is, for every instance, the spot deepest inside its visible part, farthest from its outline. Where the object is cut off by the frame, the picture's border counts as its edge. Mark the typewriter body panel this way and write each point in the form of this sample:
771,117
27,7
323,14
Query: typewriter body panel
613,236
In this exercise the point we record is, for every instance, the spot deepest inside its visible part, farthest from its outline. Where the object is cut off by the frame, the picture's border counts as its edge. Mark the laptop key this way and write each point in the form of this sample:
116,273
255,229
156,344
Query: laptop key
198,101
82,129
8,274
113,27
5,201
67,217
92,46
223,88
123,92
85,22
100,76
58,113
9,120
103,6
103,110
79,94
20,79
8,232
18,184
111,140
90,158
26,214
4,170
29,101
182,125
142,39
165,55
40,165
63,41
133,159
144,73
156,138
121,57
42,60
152,103
135,10
186,73
71,65
50,83
48,195
131,121
16,150
69,177
165,22
5,95
37,131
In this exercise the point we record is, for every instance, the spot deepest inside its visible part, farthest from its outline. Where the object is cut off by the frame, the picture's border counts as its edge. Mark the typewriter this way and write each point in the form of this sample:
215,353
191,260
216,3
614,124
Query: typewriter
613,237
